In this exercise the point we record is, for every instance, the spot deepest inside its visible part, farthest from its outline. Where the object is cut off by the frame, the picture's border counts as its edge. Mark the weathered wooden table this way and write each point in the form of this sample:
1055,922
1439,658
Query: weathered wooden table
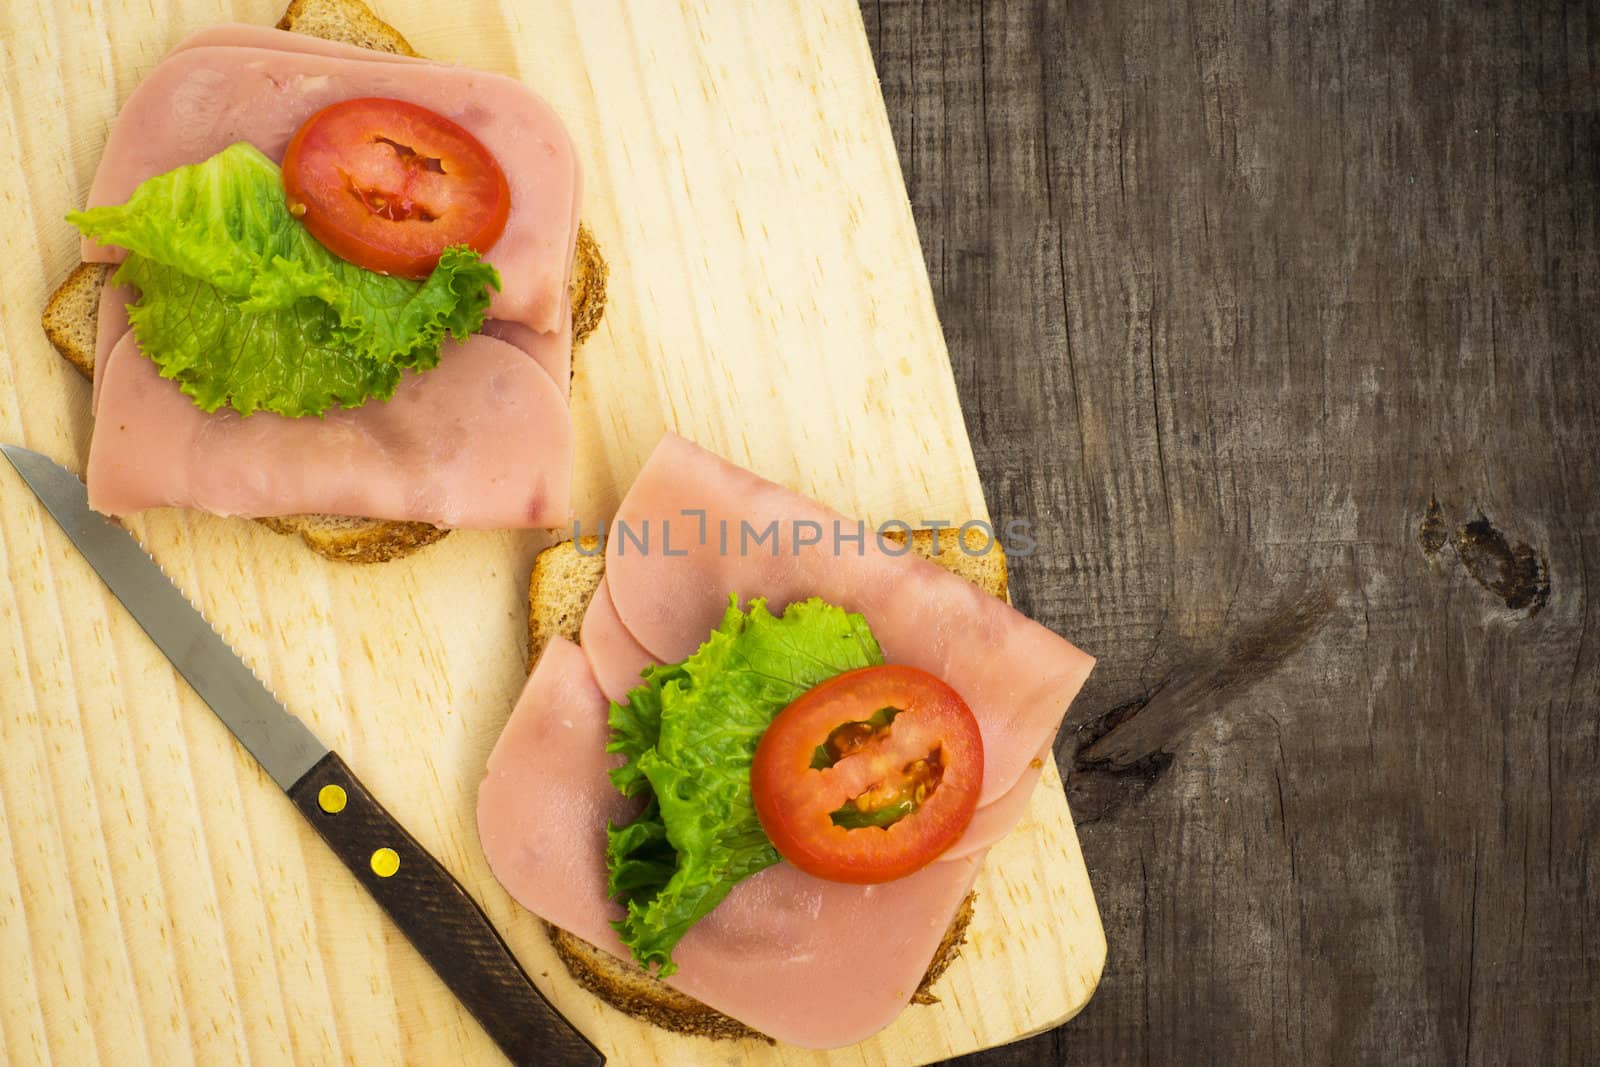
1279,321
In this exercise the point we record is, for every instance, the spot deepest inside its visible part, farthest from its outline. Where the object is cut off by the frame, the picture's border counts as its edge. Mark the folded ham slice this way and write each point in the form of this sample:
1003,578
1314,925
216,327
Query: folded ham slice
545,800
484,441
994,819
810,962
614,656
110,326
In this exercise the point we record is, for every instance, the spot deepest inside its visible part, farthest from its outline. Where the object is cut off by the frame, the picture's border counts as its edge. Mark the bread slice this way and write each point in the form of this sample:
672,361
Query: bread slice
588,287
73,310
72,314
346,21
564,579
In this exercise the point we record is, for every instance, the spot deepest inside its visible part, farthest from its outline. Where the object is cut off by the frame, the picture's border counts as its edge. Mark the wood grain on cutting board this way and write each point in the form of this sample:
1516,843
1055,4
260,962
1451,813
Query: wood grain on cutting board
160,901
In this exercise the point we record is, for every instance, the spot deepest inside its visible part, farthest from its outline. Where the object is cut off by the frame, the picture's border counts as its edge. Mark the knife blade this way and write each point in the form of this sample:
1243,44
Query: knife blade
429,906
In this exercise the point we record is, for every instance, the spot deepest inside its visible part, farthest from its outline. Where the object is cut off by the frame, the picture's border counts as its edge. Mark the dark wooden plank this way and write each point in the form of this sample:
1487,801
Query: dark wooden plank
1279,320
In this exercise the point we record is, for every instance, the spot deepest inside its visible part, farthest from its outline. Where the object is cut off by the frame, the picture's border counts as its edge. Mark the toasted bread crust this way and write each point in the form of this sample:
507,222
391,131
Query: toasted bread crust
946,953
72,314
565,577
589,271
73,310
346,21
626,987
354,540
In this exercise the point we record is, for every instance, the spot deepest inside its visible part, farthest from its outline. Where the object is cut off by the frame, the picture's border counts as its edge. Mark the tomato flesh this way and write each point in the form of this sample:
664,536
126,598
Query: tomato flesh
869,776
389,185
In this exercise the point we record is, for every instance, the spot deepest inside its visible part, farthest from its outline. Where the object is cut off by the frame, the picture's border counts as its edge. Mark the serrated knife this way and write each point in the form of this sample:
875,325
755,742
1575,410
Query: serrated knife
428,905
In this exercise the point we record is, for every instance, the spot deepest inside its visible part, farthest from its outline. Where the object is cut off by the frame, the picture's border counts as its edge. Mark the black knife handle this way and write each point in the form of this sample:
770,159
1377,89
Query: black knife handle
439,918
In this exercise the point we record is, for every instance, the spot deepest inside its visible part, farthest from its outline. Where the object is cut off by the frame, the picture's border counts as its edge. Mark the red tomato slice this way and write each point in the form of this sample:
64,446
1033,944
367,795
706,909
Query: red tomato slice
869,776
389,185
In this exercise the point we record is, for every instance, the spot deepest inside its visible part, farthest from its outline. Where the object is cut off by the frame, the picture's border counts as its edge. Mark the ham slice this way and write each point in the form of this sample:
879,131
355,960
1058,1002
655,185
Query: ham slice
483,441
996,818
202,98
552,351
820,964
1016,675
614,656
545,799
784,953
110,325
555,358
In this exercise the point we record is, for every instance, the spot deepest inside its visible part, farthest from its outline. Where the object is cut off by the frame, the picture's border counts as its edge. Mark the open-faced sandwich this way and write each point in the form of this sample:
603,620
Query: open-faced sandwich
332,286
762,753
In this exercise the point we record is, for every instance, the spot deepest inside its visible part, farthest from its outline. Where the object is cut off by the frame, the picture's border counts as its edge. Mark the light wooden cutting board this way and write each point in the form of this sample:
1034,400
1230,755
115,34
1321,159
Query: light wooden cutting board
160,900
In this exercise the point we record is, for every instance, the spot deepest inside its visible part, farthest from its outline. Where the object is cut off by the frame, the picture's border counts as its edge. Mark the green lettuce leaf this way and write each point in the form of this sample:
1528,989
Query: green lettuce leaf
242,306
689,734
636,725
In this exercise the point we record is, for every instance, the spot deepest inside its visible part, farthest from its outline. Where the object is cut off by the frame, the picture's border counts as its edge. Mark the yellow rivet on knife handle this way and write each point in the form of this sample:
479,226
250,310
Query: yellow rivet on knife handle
331,798
385,862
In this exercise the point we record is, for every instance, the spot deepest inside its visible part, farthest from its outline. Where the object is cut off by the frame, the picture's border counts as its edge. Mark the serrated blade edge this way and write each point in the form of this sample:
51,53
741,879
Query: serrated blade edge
280,742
